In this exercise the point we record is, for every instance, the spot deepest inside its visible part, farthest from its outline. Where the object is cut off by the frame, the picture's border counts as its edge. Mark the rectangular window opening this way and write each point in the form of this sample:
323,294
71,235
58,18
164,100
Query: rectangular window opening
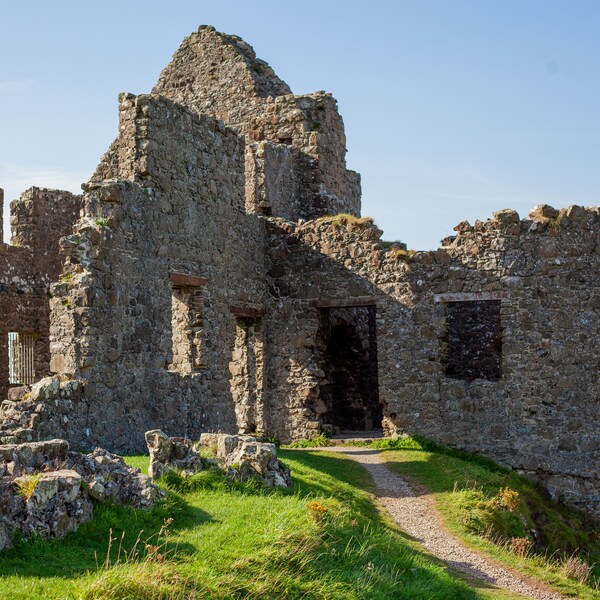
472,345
21,365
187,329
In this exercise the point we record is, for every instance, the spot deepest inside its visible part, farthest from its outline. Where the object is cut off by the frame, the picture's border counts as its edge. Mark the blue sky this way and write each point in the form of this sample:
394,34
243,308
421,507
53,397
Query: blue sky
453,108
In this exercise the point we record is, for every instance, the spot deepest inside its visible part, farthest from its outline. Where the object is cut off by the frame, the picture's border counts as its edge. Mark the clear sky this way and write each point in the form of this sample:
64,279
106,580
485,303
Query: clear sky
453,108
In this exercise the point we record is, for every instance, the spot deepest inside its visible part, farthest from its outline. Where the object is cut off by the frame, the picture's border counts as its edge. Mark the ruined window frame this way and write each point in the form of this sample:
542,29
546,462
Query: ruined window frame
453,344
21,357
187,290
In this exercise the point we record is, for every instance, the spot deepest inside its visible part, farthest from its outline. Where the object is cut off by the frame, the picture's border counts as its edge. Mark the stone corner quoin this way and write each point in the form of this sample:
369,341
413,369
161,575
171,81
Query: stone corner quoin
216,276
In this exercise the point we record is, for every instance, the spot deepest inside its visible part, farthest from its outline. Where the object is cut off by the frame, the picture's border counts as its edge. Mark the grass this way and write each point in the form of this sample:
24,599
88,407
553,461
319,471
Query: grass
26,485
319,441
503,514
402,255
237,541
345,219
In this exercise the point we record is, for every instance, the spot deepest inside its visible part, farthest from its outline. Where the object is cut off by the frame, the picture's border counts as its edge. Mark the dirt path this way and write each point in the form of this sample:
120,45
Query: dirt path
417,516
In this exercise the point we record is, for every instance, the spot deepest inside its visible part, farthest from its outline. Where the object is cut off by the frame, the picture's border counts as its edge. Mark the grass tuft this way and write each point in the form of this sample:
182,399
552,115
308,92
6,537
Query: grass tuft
320,441
345,219
26,485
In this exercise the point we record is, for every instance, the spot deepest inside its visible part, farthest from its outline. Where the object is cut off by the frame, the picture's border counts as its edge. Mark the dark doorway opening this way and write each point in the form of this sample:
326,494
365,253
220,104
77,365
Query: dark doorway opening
349,391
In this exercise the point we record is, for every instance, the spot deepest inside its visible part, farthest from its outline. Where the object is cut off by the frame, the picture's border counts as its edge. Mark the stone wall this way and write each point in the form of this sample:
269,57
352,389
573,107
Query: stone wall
174,223
539,414
219,75
28,266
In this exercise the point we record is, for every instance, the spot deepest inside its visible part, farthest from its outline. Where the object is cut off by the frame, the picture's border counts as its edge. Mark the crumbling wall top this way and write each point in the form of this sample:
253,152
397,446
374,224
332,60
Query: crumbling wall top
215,73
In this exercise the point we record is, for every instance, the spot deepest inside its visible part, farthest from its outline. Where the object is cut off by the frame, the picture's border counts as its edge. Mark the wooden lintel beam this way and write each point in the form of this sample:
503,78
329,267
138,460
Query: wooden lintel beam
179,279
247,312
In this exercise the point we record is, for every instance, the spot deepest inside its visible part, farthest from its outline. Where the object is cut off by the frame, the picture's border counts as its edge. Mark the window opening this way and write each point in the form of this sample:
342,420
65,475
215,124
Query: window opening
472,345
187,329
247,375
21,366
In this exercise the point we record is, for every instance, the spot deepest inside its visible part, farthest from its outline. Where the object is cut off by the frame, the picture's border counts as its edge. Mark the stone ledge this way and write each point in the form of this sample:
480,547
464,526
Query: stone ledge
469,296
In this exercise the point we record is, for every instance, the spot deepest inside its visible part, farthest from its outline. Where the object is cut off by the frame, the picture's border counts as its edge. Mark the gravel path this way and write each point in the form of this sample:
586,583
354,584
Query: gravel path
417,516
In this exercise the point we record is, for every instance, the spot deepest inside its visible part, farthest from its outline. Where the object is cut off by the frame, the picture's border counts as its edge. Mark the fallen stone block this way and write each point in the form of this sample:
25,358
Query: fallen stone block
171,453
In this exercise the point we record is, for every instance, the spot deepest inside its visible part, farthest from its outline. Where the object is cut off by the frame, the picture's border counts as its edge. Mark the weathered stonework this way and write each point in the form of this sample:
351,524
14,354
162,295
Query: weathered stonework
47,490
27,268
195,297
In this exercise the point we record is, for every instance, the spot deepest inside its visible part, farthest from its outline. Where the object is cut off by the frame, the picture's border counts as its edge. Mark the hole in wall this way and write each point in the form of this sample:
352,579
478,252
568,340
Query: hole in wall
247,368
472,345
349,390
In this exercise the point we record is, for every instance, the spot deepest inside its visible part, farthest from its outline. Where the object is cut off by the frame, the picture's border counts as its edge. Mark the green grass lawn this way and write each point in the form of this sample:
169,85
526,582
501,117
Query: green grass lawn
466,488
238,542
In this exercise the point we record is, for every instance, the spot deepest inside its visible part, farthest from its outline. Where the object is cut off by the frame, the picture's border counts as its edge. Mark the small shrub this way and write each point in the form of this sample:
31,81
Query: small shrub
26,485
101,222
272,439
576,568
507,499
520,546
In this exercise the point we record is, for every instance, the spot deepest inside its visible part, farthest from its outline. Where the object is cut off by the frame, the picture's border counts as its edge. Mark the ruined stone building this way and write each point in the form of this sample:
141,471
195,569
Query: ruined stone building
216,275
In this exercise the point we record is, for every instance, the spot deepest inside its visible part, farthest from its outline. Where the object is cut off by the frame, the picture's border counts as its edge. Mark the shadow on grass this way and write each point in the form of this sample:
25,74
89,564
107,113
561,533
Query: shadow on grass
86,549
346,472
353,552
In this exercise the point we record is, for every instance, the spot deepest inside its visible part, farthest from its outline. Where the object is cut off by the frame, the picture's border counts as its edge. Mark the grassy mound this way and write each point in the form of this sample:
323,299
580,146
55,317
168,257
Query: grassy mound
211,539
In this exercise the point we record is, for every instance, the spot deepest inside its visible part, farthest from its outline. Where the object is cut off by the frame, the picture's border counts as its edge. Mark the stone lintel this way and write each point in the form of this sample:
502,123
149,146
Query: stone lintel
345,302
246,312
469,296
179,279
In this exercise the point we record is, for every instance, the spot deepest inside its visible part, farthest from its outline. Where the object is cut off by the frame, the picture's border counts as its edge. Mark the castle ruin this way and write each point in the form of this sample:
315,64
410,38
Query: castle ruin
216,275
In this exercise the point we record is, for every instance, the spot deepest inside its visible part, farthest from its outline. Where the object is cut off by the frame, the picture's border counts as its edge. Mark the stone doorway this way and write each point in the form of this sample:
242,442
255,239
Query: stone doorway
349,391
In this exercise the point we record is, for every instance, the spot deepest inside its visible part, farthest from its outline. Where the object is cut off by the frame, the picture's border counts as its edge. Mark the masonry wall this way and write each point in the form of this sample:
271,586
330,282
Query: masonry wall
541,415
38,219
303,268
219,75
175,207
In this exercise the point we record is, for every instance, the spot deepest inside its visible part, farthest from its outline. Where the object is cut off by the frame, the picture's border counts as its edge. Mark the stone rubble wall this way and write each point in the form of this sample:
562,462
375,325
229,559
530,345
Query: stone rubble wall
243,457
240,457
302,268
219,75
182,211
541,416
47,490
52,407
27,267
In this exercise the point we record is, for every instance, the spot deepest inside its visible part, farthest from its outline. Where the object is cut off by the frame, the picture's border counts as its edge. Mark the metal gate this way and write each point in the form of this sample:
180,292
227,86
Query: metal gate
21,370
